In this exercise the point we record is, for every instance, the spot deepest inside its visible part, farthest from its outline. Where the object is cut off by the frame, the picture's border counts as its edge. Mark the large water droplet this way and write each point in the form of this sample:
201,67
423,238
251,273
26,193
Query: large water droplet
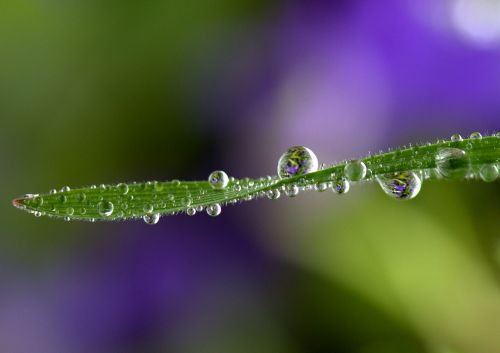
297,160
403,186
488,172
456,138
475,135
355,170
214,210
105,208
218,179
452,163
320,187
151,218
65,188
191,211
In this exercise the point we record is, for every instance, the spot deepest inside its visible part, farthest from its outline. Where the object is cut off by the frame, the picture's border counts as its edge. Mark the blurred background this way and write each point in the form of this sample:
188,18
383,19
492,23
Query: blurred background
109,91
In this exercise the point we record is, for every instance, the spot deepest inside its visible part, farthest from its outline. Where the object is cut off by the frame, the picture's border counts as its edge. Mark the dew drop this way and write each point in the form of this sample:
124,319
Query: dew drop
105,208
475,135
65,189
402,186
122,188
273,194
81,197
70,211
452,163
199,208
53,191
488,172
341,186
320,187
62,198
37,214
191,211
355,170
291,190
148,208
214,210
456,138
297,160
151,218
218,179
67,218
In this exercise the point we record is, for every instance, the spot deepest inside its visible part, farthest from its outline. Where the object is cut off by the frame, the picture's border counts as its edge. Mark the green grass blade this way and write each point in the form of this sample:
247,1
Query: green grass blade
135,200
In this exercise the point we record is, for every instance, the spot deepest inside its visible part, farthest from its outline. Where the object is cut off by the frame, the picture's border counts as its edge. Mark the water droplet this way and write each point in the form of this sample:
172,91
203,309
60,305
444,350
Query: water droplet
297,160
218,179
105,208
81,197
273,194
148,208
404,186
67,218
83,211
122,188
93,187
62,198
37,214
475,135
53,191
320,187
176,182
214,210
92,220
341,186
452,163
488,172
151,218
102,187
456,138
199,208
38,201
65,188
291,190
191,211
70,211
355,170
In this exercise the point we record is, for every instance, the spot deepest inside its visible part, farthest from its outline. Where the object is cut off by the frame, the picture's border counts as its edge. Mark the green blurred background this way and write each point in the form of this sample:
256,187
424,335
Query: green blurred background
103,92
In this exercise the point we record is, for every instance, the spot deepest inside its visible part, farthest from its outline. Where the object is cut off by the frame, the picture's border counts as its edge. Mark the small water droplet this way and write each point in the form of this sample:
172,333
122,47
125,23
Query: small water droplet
355,170
148,208
102,187
151,218
122,188
83,210
53,191
273,194
81,197
291,190
37,214
341,186
70,211
475,135
456,138
62,198
67,218
320,187
191,211
488,172
452,163
218,179
105,208
297,160
214,210
199,208
404,186
65,188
